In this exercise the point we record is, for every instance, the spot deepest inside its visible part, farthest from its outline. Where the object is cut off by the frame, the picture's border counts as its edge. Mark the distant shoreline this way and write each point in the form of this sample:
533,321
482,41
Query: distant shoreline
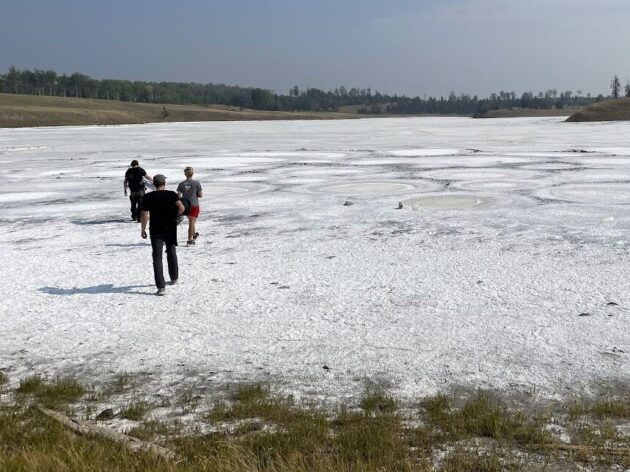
26,111
21,111
607,110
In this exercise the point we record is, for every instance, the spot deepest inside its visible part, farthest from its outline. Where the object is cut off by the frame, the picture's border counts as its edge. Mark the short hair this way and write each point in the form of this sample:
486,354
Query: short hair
134,163
159,180
188,172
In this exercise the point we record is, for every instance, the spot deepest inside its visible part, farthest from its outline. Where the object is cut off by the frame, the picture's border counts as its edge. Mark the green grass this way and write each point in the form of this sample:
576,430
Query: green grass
30,385
149,430
483,416
611,409
57,393
4,378
135,411
30,441
255,431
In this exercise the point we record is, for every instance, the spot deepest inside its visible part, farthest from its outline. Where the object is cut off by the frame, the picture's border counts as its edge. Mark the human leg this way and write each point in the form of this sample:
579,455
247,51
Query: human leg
139,207
171,260
157,244
132,201
193,214
191,227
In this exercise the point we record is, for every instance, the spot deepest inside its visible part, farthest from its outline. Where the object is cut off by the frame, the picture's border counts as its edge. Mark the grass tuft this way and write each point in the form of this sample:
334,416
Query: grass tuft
60,392
376,403
611,409
467,462
149,430
121,383
135,411
4,378
483,416
30,385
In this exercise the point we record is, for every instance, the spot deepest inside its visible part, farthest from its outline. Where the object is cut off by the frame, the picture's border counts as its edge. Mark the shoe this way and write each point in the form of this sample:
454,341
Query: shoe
133,218
196,236
173,282
161,291
190,243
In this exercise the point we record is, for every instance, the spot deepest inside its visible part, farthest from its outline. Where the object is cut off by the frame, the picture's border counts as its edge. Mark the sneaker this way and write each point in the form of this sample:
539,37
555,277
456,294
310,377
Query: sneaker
196,236
161,291
190,243
173,282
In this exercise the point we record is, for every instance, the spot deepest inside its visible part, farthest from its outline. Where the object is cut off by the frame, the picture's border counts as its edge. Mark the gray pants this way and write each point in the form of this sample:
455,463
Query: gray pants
157,244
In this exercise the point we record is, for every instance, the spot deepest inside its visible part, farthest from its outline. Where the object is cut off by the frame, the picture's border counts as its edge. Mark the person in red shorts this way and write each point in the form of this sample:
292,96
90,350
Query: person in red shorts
190,191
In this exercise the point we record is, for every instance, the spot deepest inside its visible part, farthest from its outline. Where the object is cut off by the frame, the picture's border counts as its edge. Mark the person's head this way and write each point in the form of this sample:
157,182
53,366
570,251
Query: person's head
134,163
159,180
188,172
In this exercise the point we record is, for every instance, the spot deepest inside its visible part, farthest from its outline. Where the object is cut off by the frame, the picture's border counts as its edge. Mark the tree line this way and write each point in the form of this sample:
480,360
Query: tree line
615,87
49,83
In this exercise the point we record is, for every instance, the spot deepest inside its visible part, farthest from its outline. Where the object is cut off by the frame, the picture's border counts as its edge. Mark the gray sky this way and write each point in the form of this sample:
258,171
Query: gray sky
397,46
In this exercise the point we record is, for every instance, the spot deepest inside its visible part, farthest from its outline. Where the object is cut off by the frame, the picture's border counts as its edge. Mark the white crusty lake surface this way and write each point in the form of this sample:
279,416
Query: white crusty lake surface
508,266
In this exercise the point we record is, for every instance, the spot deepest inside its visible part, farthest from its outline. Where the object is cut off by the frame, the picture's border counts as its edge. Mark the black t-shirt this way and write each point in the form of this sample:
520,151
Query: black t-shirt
134,178
162,204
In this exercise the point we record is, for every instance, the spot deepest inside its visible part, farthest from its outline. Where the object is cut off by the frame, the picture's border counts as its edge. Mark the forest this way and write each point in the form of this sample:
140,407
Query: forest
362,100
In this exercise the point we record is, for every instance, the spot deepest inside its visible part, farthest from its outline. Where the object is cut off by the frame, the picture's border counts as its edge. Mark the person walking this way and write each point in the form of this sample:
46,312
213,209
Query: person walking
190,190
161,208
134,181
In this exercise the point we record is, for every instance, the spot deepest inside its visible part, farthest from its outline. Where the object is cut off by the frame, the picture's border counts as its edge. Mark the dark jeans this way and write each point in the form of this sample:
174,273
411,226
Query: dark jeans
136,204
157,243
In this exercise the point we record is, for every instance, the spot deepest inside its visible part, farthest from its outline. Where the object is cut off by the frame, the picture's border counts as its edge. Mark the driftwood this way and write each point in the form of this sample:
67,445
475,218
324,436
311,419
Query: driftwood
88,429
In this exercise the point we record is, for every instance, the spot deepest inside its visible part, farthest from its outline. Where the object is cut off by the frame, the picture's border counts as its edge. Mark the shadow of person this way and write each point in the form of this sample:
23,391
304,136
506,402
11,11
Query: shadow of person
98,222
128,245
95,290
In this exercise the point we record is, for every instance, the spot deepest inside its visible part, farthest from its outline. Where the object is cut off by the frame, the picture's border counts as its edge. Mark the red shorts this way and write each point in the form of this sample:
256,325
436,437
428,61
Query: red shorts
194,212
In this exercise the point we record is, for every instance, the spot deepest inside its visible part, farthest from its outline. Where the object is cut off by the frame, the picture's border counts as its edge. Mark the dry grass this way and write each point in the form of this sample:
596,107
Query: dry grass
527,112
135,411
28,110
256,431
607,110
486,417
53,394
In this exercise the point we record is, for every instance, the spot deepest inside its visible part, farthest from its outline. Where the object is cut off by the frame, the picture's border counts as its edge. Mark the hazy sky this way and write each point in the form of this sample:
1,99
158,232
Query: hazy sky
397,46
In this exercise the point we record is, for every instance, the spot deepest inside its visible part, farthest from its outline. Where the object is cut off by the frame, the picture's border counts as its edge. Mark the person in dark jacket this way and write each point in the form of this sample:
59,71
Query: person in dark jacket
161,209
134,182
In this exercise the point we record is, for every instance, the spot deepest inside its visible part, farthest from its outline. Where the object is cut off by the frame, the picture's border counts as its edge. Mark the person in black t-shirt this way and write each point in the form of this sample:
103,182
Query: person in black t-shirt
134,181
161,209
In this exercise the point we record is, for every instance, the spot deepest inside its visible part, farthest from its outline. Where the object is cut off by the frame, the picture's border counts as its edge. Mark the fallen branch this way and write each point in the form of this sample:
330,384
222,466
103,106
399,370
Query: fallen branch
88,429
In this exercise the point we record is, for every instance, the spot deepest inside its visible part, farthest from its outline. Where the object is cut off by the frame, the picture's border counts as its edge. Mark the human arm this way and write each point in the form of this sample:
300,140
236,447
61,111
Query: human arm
143,223
180,207
199,191
125,185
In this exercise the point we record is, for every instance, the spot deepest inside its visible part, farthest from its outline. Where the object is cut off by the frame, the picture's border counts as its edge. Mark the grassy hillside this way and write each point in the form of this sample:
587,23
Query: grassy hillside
27,110
608,110
526,112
